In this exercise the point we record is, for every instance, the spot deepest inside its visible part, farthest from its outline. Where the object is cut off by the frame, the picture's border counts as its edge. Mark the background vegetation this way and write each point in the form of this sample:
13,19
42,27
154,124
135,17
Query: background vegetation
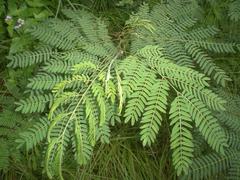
119,154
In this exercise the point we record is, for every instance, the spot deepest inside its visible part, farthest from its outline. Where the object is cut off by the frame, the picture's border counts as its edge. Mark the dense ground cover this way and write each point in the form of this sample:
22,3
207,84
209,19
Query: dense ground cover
125,89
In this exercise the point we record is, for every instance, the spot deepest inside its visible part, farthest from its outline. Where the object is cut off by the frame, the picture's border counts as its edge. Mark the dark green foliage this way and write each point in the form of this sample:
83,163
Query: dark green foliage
34,135
26,58
234,10
182,41
208,165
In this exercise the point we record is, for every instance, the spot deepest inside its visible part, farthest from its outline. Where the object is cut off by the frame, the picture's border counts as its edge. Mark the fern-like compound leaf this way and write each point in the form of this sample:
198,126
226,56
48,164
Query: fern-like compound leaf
181,41
81,143
206,123
33,135
44,81
152,116
28,58
234,10
138,99
35,103
208,165
51,37
181,136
